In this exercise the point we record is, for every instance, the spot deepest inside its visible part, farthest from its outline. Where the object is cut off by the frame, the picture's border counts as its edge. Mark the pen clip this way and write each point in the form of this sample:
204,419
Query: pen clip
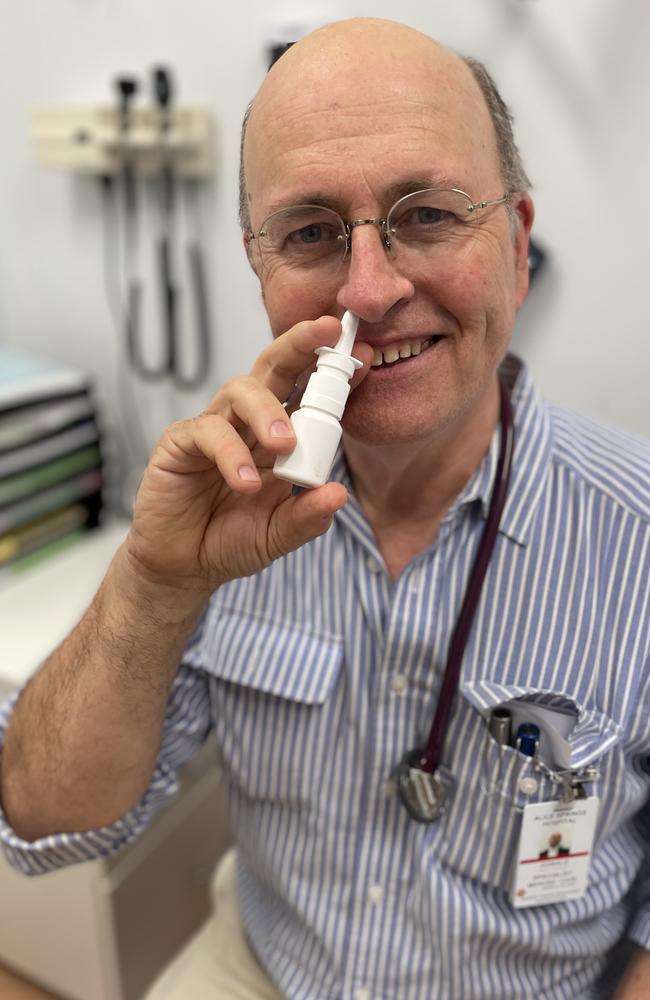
572,782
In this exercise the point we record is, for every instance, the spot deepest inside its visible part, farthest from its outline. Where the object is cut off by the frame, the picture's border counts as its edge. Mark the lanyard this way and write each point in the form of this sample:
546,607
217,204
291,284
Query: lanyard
419,782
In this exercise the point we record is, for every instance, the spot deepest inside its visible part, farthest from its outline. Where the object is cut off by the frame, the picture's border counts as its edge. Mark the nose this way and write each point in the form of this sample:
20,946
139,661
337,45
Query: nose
373,282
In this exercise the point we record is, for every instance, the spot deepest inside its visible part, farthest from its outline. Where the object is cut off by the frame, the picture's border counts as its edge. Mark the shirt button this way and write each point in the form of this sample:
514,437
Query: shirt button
398,683
362,994
375,894
528,786
373,564
388,788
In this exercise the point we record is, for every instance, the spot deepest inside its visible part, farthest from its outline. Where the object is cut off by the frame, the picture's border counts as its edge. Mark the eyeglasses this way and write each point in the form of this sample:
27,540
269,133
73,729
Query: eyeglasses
313,237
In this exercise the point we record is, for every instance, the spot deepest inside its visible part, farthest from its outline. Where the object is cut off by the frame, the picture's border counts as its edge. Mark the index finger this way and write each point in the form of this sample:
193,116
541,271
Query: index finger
290,354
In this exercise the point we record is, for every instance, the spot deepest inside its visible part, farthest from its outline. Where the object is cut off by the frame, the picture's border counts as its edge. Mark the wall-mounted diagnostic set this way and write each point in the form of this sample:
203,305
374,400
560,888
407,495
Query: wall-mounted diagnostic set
163,150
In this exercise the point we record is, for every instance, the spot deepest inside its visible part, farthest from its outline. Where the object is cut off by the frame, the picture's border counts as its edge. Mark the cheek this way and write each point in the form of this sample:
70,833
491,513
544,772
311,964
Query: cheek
479,292
467,294
289,300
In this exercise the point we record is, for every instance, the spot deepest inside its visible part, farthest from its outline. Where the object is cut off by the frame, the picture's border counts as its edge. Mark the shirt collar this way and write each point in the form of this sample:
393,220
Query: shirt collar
532,452
531,458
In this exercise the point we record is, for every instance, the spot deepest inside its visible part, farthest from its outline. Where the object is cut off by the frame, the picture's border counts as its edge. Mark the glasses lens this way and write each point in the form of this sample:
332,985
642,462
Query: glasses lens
304,236
429,216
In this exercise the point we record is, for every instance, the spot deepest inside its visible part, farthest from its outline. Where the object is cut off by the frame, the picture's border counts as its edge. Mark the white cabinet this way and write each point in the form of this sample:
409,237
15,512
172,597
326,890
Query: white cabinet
101,930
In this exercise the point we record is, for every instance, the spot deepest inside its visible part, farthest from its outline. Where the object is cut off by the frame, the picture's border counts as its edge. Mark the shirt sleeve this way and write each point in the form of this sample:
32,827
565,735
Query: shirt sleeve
639,929
187,724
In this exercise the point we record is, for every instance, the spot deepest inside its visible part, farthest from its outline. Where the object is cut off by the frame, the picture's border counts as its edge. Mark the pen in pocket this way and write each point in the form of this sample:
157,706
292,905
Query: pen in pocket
499,725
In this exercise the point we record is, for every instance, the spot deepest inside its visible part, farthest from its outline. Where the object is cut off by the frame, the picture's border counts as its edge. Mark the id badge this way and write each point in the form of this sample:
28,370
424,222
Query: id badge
554,852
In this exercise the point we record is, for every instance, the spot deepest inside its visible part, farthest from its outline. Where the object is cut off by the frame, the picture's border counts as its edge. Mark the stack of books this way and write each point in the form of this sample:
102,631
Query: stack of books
50,458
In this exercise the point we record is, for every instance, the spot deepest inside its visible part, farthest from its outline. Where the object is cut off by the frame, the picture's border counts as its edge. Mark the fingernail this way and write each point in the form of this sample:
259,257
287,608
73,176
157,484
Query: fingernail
280,429
248,474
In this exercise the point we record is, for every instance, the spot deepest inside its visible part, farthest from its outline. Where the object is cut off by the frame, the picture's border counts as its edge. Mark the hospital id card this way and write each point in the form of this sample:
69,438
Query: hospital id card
554,852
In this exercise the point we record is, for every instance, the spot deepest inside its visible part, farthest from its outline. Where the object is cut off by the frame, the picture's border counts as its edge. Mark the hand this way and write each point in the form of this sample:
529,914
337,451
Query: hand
635,984
209,508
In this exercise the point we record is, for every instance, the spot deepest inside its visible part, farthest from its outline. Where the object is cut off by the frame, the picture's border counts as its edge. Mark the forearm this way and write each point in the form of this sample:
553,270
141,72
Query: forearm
635,984
83,740
84,736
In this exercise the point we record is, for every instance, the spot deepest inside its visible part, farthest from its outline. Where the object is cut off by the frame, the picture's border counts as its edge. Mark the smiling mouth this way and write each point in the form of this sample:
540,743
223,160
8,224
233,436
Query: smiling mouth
393,355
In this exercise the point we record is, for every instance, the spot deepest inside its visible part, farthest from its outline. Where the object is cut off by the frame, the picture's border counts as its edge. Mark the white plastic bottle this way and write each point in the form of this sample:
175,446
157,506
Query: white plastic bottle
317,423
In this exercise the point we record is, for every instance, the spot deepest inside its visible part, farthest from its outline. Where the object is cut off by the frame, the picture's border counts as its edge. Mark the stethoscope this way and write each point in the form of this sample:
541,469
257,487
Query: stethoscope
419,782
170,364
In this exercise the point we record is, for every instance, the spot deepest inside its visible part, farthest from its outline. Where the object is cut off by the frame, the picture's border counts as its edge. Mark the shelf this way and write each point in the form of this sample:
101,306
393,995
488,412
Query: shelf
39,606
90,140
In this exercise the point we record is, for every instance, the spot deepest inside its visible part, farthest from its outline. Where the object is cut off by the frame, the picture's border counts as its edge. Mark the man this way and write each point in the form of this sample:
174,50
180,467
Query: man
554,847
319,658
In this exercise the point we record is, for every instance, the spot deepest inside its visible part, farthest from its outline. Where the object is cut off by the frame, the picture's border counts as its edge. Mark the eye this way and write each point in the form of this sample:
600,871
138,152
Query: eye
303,235
427,215
418,219
312,242
313,233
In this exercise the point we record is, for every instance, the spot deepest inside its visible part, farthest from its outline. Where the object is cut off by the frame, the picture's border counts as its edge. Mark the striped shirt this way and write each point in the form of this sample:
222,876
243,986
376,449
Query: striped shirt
318,673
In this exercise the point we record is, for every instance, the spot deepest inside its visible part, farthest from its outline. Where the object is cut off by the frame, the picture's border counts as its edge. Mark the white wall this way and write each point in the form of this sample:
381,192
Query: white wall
575,73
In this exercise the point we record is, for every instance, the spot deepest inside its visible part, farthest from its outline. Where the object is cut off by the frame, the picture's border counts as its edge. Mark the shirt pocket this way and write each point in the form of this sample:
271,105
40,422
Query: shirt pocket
493,783
275,704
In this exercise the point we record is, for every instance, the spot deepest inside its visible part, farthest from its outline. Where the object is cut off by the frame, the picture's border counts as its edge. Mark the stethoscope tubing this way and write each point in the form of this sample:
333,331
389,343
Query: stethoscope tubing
170,364
431,756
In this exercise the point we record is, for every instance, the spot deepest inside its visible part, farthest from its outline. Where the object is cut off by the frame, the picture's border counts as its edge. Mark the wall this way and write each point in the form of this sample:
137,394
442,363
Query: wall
575,73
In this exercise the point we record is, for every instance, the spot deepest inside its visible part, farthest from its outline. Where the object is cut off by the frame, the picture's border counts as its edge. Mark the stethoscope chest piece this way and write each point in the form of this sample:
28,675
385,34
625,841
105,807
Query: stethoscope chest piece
421,792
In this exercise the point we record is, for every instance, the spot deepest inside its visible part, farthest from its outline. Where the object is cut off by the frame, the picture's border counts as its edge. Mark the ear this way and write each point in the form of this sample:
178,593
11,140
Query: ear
248,247
525,215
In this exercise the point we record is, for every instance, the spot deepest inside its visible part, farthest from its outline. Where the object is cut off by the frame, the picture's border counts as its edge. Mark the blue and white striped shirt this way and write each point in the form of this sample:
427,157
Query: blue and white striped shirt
317,675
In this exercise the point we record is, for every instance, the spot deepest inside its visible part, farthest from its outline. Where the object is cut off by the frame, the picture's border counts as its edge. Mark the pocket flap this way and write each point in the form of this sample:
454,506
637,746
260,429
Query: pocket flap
278,658
592,735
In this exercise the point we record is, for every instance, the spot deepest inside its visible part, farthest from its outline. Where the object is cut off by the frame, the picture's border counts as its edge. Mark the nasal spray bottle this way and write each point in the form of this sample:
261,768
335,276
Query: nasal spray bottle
316,424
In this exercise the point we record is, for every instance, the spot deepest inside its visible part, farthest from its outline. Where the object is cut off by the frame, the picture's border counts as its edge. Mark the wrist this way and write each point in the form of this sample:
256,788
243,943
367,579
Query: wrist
166,599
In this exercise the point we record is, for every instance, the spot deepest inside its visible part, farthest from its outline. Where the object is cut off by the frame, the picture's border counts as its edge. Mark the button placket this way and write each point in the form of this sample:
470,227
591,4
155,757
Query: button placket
387,788
373,565
398,683
371,586
375,894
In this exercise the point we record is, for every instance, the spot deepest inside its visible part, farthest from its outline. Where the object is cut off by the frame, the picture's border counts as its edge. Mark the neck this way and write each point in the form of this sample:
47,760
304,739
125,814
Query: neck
405,489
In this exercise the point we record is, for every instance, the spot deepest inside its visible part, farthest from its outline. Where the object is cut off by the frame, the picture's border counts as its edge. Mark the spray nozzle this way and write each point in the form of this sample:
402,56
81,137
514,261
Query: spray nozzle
349,325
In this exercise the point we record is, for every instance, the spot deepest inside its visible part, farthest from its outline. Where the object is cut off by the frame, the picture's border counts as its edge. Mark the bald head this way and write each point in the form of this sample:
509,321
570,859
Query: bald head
354,53
342,75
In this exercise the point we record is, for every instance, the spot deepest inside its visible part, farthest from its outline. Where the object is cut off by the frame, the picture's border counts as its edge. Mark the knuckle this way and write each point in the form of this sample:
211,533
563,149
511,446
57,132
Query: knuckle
227,391
175,430
241,383
198,422
275,359
229,448
221,403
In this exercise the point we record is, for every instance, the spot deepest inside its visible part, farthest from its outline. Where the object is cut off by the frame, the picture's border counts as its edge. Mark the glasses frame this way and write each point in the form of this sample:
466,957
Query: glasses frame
473,206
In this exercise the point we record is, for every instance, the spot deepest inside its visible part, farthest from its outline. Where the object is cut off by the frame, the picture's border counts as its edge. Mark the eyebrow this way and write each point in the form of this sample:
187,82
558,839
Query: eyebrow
391,194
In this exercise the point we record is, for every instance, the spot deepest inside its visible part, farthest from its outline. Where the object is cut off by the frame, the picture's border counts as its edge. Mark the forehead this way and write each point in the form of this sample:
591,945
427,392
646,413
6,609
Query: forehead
355,133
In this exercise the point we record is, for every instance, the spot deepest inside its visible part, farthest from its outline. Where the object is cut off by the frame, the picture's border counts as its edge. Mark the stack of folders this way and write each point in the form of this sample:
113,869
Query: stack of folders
50,459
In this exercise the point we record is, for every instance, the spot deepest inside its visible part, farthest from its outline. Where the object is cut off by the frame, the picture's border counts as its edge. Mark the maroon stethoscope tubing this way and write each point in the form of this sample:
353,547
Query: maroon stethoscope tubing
431,755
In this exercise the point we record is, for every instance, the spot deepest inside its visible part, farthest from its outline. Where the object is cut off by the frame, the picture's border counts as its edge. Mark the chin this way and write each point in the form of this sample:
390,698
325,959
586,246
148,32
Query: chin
383,424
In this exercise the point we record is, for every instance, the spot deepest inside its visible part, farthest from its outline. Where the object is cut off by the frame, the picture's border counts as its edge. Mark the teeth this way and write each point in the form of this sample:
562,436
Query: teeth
406,350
